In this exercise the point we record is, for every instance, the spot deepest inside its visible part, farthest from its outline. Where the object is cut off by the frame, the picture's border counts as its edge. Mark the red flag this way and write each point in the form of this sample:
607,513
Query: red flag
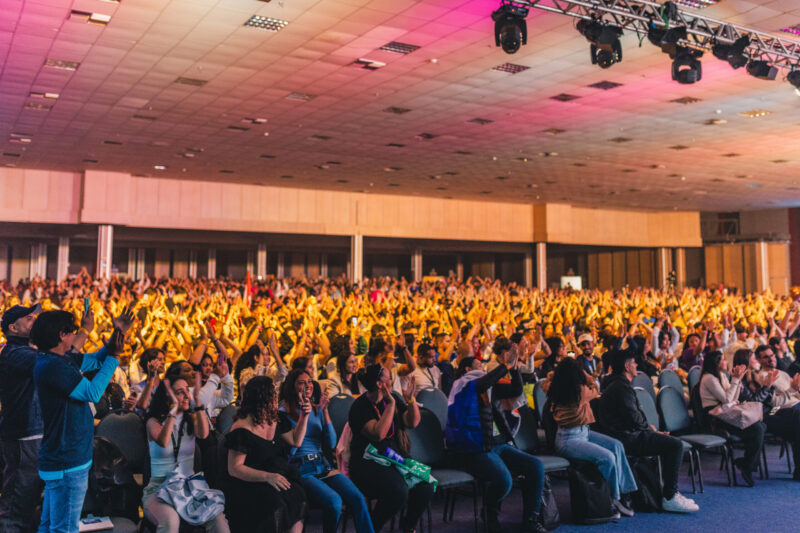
248,290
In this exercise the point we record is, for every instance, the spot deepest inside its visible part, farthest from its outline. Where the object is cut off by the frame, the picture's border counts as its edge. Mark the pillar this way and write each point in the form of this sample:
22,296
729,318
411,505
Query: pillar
163,264
541,265
251,262
356,272
62,262
663,266
105,246
37,267
679,258
280,269
212,263
193,264
132,264
323,266
459,267
416,264
762,266
5,261
527,267
261,261
140,260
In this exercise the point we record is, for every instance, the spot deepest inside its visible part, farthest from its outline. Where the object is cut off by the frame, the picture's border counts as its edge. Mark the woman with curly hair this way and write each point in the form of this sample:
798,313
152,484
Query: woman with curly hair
263,490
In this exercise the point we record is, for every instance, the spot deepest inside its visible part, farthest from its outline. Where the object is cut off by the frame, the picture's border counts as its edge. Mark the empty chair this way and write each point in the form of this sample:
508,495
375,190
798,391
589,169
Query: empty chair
539,398
339,409
527,440
435,401
225,418
643,380
693,378
668,378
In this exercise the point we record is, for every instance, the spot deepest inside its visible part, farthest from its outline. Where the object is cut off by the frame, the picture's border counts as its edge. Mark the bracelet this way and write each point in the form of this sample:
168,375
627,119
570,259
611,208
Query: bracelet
411,400
199,408
83,330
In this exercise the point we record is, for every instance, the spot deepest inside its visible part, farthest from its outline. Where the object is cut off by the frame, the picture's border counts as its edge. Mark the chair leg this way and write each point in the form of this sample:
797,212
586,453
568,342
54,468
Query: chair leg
765,468
446,503
474,505
788,456
699,469
430,520
732,482
691,471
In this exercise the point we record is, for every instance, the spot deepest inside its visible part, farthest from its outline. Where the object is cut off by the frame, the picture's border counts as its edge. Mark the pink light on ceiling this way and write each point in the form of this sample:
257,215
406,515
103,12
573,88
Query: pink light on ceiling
794,30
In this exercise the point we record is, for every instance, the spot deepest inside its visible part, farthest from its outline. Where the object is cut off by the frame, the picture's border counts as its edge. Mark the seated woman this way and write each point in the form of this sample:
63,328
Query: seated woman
570,392
715,389
263,491
485,448
324,487
343,380
172,428
378,418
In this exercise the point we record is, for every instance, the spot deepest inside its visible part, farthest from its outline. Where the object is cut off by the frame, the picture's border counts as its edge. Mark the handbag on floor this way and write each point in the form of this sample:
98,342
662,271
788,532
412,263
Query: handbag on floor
647,498
589,495
549,512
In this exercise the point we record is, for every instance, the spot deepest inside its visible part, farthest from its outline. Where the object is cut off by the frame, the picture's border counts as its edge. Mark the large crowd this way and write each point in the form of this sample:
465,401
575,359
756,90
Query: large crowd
180,352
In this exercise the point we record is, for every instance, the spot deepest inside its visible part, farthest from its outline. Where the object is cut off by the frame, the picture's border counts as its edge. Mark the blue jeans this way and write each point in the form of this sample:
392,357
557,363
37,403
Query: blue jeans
495,467
329,493
606,452
63,501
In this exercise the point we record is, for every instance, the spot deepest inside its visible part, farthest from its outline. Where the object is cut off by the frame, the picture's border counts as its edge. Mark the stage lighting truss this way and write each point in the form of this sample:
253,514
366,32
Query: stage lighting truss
701,32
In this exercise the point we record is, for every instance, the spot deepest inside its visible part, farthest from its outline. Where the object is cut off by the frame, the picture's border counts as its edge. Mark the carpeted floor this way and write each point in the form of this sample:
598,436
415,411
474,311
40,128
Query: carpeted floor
767,507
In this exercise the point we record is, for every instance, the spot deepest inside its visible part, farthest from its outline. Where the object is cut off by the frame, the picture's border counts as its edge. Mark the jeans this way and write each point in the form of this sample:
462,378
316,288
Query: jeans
670,449
604,451
21,485
63,501
329,493
495,467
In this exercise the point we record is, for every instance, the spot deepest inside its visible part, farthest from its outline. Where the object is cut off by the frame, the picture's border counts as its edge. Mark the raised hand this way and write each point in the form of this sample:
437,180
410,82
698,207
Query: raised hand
324,400
409,389
170,393
87,322
124,321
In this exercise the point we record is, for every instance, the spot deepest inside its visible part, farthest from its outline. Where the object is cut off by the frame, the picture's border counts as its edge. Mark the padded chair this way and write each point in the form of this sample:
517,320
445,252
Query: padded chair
643,380
527,440
675,419
225,418
693,377
339,409
539,398
668,378
127,431
435,401
427,446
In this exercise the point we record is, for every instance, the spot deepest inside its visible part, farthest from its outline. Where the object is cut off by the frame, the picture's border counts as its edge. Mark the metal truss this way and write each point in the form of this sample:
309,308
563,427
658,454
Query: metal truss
702,32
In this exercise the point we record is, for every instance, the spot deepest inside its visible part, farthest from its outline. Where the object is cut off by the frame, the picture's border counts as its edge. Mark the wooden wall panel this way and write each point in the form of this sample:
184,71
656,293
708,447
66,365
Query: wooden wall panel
619,274
713,256
749,269
779,268
632,266
732,266
605,280
592,277
647,267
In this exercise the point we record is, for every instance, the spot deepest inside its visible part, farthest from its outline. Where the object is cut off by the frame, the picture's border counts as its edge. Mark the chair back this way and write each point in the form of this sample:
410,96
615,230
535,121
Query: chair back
435,401
527,438
127,431
648,406
643,380
339,409
672,408
539,399
225,418
427,439
693,377
668,378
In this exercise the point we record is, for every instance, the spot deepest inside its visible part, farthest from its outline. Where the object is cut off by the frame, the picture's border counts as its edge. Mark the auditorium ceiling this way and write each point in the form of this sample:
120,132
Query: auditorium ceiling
184,89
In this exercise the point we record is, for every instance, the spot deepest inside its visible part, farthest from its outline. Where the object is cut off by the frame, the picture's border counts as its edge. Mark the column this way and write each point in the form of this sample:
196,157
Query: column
541,265
33,261
261,261
762,266
459,267
132,264
527,267
140,262
323,266
192,264
105,246
5,260
663,266
679,258
251,262
212,263
62,263
280,271
356,272
416,264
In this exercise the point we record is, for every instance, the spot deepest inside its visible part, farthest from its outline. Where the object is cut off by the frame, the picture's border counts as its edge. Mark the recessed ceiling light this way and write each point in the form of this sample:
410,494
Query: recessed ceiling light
342,181
755,113
393,184
564,97
628,170
511,68
92,18
658,165
679,147
248,120
144,117
463,152
49,96
286,177
619,140
450,173
578,164
425,136
686,100
481,121
267,156
194,82
20,138
605,85
696,4
396,145
794,30
114,143
266,23
321,137
369,64
754,185
715,121
237,128
486,192
10,154
396,47
779,161
37,106
226,171
554,131
160,167
396,110
548,154
441,188
61,64
301,97
391,169
501,178
732,154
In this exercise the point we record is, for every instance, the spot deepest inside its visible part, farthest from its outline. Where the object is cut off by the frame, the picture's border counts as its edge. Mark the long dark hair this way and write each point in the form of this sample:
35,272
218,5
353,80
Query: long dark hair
258,401
160,401
711,363
565,388
742,357
288,392
246,360
341,365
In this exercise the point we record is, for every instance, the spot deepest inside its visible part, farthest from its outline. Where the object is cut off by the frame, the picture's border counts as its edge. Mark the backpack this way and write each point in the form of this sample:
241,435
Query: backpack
112,490
589,495
463,431
647,498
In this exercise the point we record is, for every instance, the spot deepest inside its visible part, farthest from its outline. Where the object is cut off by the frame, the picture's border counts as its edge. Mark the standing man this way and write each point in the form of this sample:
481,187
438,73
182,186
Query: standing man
20,423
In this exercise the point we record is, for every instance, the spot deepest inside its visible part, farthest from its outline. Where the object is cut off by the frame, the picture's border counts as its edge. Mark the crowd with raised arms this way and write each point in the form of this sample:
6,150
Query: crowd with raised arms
179,351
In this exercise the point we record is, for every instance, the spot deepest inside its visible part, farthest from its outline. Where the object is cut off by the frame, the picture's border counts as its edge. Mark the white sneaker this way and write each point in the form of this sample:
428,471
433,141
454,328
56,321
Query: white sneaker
679,504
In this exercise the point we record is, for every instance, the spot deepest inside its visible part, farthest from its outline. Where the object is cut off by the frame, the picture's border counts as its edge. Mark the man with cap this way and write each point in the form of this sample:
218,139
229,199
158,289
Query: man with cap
589,363
21,422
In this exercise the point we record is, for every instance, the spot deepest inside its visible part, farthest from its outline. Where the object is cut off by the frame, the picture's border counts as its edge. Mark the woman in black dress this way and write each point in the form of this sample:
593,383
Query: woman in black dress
263,492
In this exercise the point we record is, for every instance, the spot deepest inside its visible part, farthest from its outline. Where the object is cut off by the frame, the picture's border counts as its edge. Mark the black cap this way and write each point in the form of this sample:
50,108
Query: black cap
17,312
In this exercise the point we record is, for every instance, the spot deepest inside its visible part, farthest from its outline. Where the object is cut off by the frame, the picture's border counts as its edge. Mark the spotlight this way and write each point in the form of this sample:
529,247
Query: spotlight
732,53
510,29
686,66
605,48
762,70
667,39
794,78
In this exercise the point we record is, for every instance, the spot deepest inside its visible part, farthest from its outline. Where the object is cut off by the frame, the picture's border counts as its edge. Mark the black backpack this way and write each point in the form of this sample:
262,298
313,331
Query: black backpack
589,495
647,498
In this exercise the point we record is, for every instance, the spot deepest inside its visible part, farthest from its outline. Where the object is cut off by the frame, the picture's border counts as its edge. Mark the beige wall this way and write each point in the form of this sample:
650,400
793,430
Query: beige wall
614,270
735,266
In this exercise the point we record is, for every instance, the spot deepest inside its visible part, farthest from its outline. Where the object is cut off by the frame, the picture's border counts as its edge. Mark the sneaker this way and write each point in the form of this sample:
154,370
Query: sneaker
679,504
623,509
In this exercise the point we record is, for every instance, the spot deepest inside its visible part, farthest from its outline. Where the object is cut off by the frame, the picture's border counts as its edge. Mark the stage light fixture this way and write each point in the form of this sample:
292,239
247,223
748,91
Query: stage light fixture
686,66
510,28
794,78
762,70
733,53
605,48
667,38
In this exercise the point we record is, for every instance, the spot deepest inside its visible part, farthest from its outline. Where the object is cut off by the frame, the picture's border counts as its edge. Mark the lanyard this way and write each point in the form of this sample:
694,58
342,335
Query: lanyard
176,446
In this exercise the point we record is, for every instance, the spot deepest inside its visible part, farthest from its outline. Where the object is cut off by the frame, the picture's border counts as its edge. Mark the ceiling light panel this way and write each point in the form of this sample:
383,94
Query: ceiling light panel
794,30
511,68
61,64
396,47
696,4
266,23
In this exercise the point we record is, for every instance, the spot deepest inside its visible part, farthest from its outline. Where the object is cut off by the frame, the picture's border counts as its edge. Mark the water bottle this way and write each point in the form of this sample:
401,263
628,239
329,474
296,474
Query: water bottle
393,455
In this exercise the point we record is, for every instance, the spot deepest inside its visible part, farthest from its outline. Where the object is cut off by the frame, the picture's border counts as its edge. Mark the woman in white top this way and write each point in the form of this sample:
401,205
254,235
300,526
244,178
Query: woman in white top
343,380
715,389
172,427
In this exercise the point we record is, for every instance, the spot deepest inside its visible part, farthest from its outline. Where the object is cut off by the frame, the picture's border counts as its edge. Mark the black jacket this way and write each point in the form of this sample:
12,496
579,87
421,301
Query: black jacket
21,415
620,414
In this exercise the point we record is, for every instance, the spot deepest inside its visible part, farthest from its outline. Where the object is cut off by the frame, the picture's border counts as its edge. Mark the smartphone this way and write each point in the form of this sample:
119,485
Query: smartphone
571,354
86,303
353,321
213,322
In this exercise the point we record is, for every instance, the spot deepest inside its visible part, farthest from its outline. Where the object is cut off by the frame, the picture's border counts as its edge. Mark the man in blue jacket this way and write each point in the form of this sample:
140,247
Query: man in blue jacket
64,396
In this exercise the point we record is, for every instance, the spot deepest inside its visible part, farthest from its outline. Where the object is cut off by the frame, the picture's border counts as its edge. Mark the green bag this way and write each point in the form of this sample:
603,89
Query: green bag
413,471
